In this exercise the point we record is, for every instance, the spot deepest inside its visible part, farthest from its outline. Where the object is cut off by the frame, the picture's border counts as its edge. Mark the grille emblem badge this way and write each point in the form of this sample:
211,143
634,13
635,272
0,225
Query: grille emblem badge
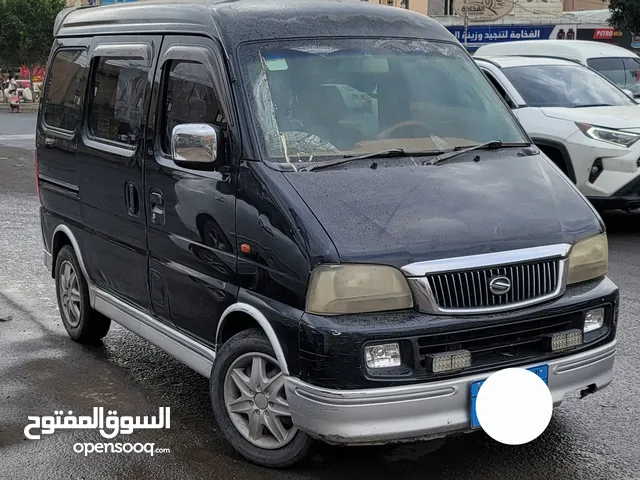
499,285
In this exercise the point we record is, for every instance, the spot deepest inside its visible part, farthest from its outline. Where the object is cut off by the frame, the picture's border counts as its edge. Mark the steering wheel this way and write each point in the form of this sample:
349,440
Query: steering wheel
410,123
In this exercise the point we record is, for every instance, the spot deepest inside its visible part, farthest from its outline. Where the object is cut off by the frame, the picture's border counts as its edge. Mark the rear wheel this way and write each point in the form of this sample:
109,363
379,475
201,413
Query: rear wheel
83,324
250,404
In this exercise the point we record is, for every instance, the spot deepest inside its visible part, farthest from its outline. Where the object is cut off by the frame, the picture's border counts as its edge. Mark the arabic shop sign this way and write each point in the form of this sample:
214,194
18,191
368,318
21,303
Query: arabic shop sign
479,36
482,10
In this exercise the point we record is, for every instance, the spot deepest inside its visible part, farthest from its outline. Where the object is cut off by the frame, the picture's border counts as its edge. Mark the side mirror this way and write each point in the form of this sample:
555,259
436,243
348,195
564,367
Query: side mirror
197,146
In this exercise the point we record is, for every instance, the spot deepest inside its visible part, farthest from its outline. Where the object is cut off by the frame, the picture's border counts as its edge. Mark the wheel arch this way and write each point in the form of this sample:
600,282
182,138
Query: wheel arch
245,316
551,145
62,235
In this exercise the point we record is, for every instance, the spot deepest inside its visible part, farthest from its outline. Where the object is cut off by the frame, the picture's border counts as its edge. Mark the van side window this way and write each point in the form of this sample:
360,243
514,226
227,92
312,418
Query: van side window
65,89
190,97
117,103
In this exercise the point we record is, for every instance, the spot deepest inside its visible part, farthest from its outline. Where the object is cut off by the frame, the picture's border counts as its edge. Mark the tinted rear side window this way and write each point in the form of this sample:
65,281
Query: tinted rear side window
66,86
117,104
612,68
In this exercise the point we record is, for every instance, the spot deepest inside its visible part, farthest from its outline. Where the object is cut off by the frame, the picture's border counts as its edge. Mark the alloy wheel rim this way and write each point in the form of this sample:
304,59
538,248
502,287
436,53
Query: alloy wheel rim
255,400
69,290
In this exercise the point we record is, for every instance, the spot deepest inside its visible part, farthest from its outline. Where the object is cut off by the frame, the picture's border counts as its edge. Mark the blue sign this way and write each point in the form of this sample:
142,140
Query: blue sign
478,36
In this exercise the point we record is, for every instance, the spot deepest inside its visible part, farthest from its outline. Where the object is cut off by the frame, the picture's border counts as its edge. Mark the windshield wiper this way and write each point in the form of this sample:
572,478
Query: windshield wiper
392,152
449,155
593,105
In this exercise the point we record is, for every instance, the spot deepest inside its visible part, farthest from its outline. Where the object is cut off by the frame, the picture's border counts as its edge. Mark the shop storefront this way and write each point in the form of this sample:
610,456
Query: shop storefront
486,26
477,36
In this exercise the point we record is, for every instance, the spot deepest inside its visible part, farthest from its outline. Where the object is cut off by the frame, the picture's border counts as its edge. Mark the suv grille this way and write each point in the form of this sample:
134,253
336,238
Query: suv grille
470,289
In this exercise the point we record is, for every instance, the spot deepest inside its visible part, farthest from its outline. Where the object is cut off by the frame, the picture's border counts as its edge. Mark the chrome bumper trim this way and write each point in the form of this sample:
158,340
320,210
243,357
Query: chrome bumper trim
486,260
423,411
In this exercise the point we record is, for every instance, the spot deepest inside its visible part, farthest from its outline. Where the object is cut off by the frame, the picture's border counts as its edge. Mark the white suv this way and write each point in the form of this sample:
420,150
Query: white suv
579,119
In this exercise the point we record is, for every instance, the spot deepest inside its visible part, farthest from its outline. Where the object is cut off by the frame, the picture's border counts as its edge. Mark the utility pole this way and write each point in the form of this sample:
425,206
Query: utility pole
466,22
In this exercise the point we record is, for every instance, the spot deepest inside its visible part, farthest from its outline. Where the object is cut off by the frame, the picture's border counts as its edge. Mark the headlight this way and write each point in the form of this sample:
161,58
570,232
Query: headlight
617,137
342,289
589,259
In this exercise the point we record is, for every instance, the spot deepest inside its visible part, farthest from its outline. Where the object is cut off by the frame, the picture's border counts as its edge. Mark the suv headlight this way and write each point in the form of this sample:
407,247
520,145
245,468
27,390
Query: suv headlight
617,137
589,259
350,288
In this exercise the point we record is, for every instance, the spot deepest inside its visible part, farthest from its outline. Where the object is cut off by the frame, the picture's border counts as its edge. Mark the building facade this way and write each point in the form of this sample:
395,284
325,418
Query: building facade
420,6
580,5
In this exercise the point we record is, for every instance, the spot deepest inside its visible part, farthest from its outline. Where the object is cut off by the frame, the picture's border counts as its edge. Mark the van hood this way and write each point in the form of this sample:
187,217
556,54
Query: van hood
398,215
622,118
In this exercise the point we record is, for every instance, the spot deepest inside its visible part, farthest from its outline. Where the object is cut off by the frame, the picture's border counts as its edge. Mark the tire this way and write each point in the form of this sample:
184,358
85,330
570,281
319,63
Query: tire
83,324
266,450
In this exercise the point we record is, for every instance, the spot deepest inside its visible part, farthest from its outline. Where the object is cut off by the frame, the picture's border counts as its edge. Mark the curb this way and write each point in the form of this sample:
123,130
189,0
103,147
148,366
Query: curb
24,107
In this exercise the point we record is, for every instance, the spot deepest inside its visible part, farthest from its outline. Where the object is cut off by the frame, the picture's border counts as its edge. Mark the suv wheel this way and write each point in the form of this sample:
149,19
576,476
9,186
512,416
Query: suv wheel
83,324
250,405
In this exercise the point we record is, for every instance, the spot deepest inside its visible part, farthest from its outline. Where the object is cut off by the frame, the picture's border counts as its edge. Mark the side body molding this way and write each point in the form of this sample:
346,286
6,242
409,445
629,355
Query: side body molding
182,347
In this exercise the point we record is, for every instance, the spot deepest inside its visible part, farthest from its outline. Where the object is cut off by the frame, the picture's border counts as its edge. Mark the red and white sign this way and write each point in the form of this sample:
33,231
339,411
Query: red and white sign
603,34
37,72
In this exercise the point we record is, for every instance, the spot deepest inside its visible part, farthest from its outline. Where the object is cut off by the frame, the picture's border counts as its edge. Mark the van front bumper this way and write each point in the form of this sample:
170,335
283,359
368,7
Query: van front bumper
424,411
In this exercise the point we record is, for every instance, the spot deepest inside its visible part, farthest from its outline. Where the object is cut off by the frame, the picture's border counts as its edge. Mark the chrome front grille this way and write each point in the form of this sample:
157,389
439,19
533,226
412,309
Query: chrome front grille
490,282
470,288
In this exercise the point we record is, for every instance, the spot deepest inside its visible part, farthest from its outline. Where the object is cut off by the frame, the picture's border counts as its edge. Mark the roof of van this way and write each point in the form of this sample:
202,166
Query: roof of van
236,21
576,49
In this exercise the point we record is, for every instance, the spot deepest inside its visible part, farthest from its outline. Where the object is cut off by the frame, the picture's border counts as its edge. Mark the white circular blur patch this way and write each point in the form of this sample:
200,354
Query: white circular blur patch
514,406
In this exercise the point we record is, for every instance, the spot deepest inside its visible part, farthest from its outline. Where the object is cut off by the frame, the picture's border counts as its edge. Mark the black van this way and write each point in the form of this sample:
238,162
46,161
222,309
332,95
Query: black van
323,207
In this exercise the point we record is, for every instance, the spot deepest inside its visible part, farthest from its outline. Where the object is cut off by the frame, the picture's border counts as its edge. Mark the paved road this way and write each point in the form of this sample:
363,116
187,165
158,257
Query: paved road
41,370
17,129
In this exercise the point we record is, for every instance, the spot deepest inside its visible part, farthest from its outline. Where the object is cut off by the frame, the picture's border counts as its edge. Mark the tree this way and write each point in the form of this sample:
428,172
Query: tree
625,15
27,32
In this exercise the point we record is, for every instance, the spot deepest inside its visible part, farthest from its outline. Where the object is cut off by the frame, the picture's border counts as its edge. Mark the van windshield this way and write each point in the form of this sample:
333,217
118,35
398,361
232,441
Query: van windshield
313,100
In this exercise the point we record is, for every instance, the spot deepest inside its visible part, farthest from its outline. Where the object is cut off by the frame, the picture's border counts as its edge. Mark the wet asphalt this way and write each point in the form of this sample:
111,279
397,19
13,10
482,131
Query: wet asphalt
42,370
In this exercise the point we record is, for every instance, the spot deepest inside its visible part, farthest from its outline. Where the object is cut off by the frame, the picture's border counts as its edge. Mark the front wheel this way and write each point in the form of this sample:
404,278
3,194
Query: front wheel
250,404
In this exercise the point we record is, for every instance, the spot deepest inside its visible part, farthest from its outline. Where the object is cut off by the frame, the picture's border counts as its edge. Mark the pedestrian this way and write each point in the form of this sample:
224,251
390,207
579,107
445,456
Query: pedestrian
14,103
12,95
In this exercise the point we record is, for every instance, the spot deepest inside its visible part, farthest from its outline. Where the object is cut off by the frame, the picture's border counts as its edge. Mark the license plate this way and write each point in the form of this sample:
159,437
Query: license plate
541,370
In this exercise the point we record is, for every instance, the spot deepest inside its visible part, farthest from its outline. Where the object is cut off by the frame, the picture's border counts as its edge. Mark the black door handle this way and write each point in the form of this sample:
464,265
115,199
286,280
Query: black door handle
132,199
156,203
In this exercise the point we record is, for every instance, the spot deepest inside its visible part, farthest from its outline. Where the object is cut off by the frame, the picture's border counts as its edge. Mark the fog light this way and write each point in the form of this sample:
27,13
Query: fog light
382,356
448,361
596,170
562,340
593,320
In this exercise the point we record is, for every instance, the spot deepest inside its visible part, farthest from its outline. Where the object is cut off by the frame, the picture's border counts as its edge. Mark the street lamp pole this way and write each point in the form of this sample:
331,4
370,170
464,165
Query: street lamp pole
466,22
